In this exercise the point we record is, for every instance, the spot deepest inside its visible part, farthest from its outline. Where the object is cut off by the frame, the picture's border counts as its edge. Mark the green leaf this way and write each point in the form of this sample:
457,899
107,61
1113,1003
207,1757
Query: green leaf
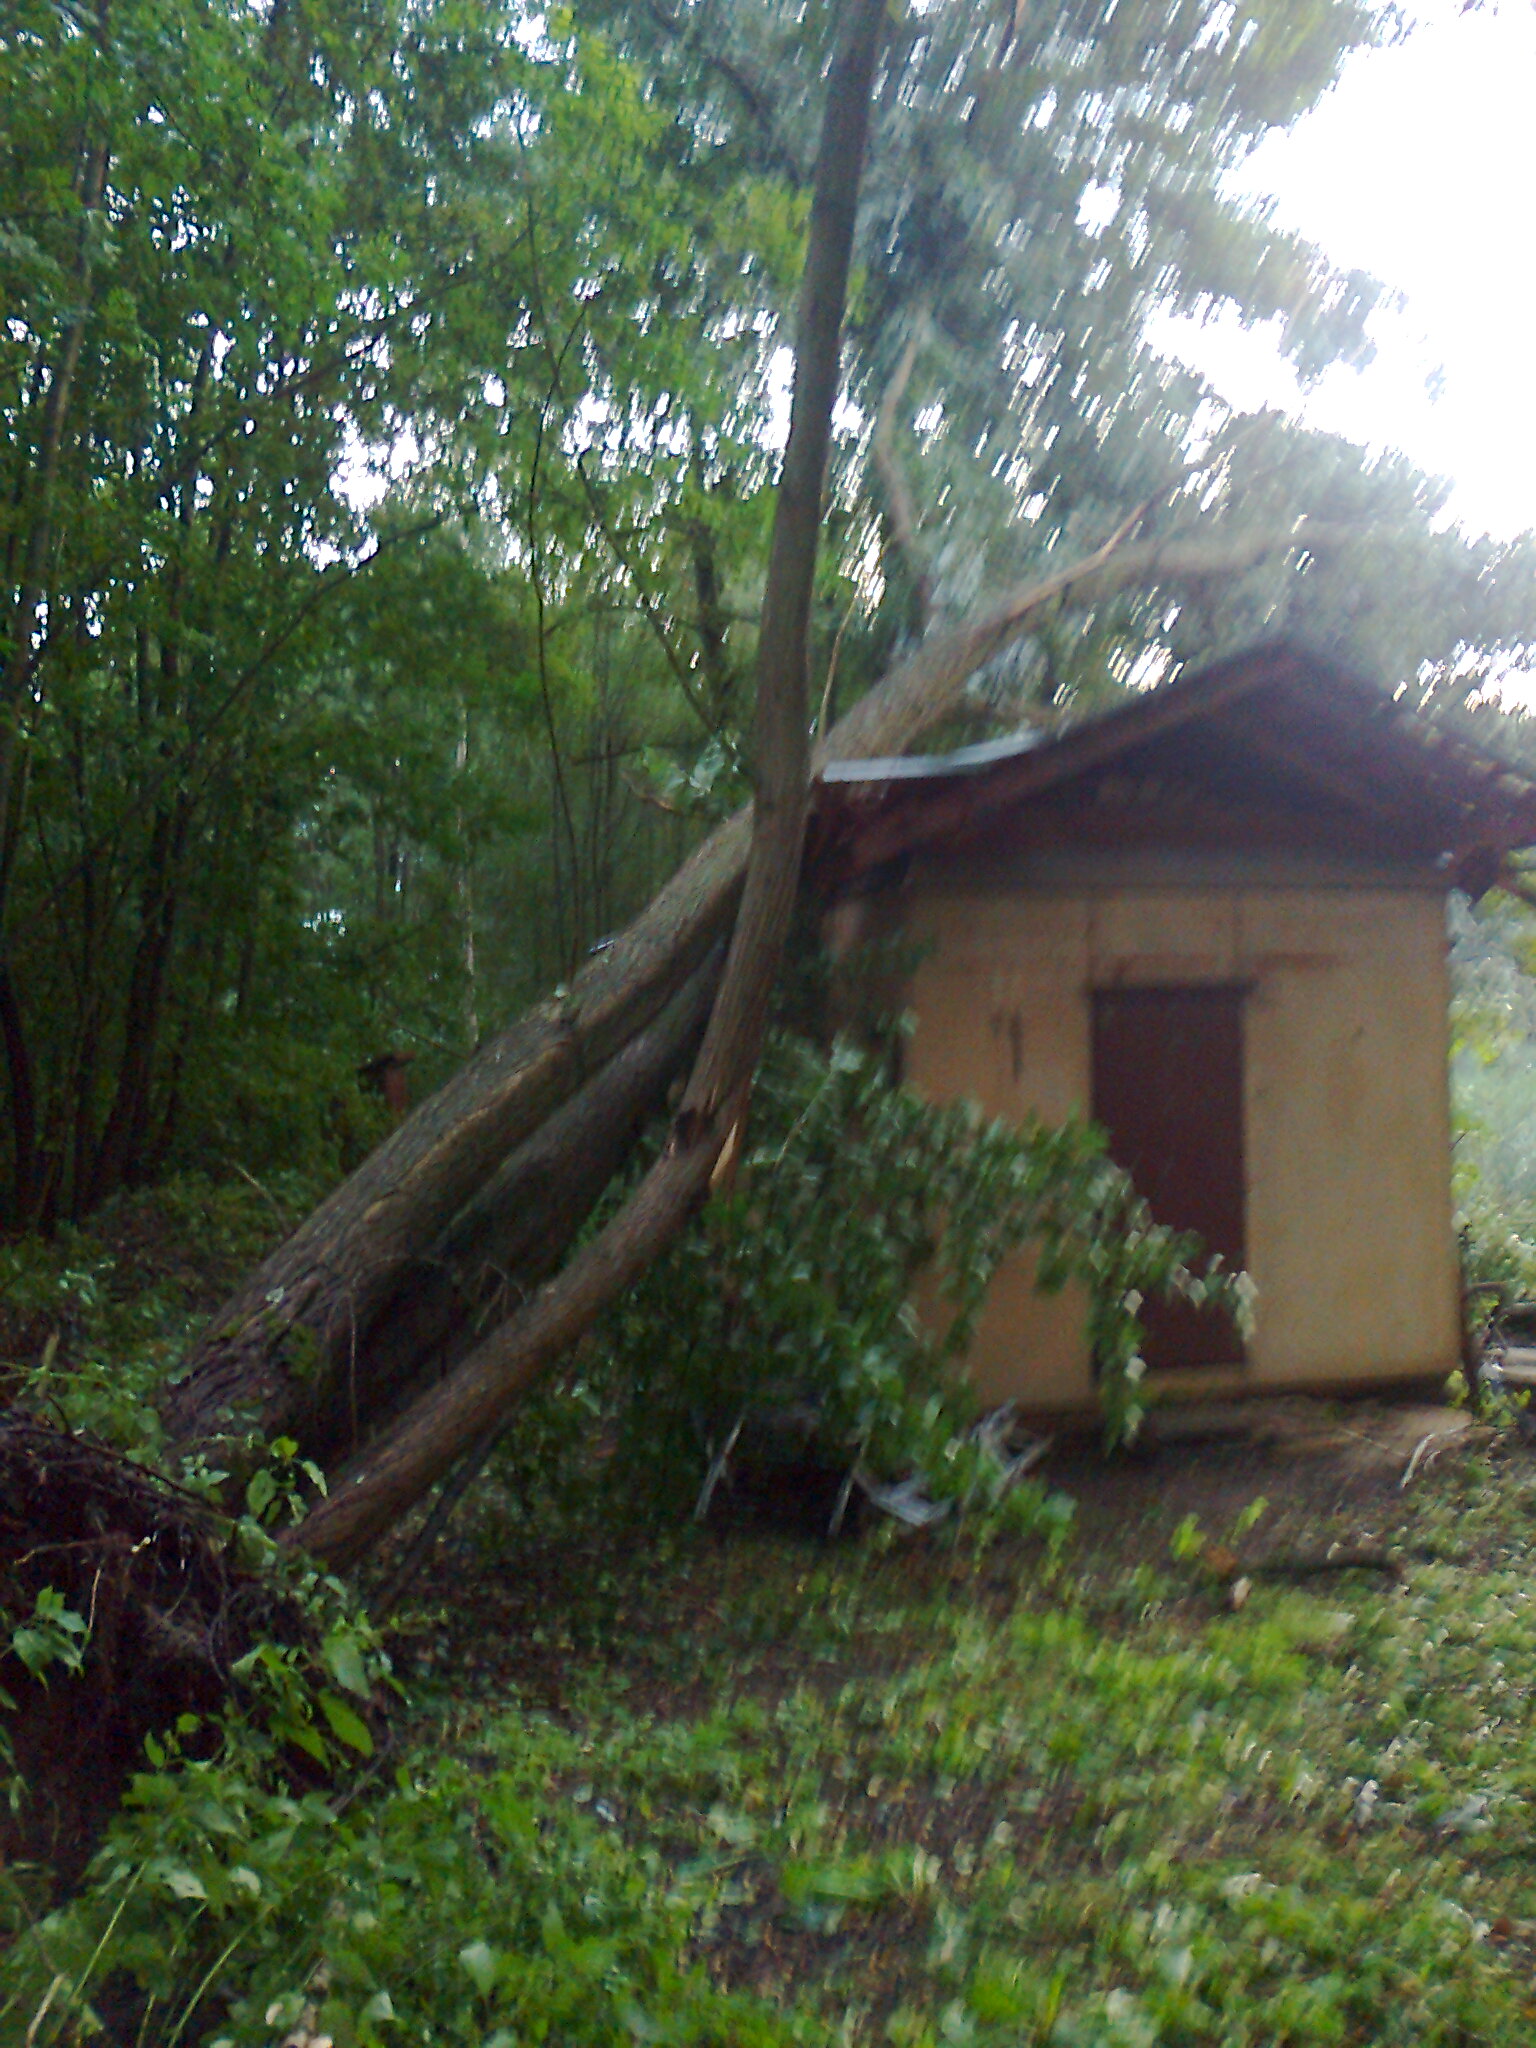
851,1880
343,1656
346,1725
260,1494
35,1649
303,1737
482,1965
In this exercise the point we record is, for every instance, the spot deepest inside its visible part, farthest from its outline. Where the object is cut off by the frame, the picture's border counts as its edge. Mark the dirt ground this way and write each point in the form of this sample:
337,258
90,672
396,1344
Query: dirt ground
535,1617
1329,1471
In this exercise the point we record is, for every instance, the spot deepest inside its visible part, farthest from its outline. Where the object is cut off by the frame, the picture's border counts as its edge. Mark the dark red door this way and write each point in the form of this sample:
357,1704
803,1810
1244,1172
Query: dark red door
1168,1089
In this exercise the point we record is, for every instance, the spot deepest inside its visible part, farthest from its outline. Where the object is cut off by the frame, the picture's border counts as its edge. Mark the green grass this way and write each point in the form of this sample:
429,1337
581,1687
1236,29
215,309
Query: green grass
892,1795
758,1791
1100,1810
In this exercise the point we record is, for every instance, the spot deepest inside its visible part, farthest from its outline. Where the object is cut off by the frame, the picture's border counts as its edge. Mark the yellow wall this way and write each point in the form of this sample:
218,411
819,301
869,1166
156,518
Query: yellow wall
1347,1139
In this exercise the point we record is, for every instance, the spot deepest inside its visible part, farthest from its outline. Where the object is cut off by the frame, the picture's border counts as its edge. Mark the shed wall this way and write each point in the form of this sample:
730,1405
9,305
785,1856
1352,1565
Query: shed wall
1346,1116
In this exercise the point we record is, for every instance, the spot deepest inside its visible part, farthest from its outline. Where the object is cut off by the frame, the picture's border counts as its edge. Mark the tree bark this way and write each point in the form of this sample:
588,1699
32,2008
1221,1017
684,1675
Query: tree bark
117,1151
516,1231
23,1100
34,586
406,1460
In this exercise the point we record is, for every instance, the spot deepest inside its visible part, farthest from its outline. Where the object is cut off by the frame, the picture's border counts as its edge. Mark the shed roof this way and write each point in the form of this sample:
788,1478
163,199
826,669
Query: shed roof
1327,739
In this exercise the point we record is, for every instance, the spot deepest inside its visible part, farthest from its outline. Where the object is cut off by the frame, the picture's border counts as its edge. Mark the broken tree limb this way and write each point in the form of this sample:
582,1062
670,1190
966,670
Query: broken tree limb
1227,1570
1338,1557
441,1427
1429,1447
927,686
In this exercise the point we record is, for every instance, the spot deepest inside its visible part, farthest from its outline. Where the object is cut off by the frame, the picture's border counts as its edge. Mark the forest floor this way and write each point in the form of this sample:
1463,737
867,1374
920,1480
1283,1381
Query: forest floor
925,1792
739,1785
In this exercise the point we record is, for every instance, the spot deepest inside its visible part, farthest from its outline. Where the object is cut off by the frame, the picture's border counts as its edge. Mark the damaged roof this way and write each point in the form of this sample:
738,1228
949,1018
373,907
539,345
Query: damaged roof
1275,732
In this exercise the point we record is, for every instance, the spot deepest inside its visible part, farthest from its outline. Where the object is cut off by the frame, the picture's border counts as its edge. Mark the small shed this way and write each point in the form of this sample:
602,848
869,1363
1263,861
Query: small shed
1214,920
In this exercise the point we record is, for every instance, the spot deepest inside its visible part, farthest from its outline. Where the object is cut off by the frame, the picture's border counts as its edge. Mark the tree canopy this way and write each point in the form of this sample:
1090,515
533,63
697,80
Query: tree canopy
391,397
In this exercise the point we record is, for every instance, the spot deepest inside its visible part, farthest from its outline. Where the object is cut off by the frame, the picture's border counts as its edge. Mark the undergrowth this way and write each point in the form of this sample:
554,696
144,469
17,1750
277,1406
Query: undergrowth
967,1788
878,1794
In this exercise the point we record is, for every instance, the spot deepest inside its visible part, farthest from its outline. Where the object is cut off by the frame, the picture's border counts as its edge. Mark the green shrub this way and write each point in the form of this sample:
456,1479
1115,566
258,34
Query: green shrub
797,1285
454,1902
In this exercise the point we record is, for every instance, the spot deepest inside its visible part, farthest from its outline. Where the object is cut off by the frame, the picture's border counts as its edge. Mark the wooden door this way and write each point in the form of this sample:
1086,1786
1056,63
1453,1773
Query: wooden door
1168,1089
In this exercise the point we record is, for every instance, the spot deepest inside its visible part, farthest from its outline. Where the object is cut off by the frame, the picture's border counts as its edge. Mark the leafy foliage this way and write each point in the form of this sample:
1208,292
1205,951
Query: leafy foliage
251,731
797,1284
388,405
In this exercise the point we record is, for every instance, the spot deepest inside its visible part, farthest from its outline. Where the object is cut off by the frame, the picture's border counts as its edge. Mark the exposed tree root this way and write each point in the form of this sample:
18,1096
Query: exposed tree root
146,1565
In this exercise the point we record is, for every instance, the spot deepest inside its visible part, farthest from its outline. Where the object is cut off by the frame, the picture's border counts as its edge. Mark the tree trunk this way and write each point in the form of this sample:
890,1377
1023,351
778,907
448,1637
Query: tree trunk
517,1230
32,596
404,1461
122,1137
25,1174
289,1337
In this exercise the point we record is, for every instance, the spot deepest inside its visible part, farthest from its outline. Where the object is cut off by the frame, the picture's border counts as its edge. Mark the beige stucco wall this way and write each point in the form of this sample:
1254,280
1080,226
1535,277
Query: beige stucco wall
1347,1135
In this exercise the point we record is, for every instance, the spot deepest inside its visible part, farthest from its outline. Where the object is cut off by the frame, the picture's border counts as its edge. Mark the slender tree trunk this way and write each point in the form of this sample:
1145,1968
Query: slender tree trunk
30,598
404,1461
128,1118
25,1175
465,885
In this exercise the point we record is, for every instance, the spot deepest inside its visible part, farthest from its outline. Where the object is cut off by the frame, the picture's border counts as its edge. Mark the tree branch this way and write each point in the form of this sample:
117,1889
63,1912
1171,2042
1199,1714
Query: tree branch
440,1428
900,510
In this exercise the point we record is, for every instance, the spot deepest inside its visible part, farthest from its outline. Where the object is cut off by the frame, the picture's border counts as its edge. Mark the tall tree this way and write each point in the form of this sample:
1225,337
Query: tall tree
405,1460
590,399
311,1318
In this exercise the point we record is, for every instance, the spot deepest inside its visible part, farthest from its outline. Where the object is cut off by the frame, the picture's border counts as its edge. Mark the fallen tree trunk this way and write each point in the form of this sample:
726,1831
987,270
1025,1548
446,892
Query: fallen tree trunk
278,1350
291,1343
519,1227
404,1461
